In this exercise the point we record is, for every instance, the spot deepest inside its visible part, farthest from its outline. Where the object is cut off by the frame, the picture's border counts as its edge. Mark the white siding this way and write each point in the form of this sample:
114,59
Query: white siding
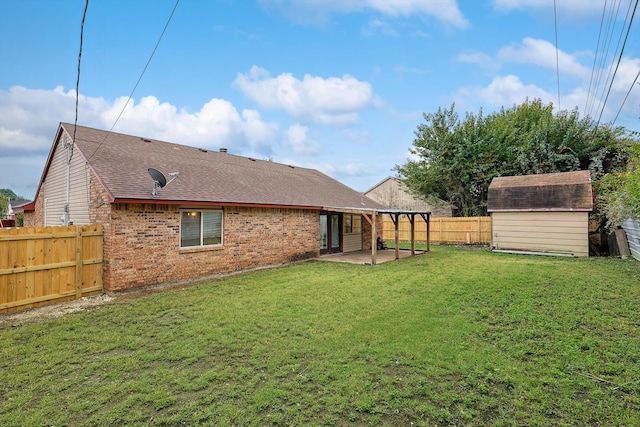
352,242
553,232
55,188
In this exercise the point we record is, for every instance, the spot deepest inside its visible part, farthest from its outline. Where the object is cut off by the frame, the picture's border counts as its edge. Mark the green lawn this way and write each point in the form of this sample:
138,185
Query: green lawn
452,337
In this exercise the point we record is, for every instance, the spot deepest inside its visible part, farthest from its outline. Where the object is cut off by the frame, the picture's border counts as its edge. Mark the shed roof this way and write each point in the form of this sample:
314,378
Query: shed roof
563,191
121,162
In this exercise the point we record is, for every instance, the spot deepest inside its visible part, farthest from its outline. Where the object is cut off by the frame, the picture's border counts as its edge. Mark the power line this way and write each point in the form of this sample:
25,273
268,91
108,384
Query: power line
608,33
595,57
555,22
84,16
626,96
619,59
138,82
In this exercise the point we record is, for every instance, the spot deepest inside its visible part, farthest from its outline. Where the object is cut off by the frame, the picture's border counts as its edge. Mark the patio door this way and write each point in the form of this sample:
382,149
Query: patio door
330,233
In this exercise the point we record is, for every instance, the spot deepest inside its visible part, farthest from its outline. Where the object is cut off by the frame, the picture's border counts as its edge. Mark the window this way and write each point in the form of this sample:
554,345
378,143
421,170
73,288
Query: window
352,224
200,228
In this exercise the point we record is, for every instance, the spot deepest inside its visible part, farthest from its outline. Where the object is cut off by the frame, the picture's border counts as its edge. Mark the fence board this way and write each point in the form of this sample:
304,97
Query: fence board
442,229
49,264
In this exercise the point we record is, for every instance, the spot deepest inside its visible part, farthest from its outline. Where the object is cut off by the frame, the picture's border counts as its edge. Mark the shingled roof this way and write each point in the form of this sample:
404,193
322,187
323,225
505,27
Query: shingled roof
121,164
563,191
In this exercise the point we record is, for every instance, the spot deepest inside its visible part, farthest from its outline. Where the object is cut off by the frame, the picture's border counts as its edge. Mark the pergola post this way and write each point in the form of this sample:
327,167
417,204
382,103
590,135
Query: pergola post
412,218
426,219
374,242
396,239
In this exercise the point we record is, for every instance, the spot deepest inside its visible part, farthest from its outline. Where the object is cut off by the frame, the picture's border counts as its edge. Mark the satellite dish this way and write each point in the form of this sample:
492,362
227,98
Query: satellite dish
158,177
159,180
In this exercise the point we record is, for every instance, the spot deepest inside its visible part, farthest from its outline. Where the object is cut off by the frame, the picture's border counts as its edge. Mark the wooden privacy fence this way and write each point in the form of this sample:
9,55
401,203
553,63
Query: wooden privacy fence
40,265
442,229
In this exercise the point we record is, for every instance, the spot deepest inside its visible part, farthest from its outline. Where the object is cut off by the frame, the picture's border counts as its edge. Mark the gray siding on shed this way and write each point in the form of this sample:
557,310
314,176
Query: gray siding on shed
545,232
544,213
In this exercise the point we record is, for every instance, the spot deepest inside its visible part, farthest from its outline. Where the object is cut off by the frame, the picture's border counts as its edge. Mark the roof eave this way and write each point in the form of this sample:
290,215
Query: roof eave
204,203
542,210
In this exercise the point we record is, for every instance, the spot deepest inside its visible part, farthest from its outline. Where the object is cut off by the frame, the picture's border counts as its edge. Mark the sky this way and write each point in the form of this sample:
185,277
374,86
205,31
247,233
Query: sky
334,85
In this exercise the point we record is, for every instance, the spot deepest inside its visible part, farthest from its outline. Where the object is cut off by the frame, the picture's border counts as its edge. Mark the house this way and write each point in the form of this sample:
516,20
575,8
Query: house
218,213
545,213
392,193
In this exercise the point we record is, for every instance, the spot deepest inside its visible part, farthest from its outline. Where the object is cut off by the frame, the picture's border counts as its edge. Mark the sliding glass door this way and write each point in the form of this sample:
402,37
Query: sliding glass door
330,233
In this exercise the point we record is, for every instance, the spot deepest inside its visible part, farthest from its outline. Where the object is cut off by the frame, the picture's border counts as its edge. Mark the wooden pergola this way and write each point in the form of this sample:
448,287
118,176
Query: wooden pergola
371,216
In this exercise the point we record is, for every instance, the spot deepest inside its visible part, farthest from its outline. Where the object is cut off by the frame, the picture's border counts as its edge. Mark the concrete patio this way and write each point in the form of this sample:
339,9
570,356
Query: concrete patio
364,257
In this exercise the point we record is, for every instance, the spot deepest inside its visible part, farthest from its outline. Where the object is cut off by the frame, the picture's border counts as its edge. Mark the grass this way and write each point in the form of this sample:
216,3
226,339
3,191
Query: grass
452,337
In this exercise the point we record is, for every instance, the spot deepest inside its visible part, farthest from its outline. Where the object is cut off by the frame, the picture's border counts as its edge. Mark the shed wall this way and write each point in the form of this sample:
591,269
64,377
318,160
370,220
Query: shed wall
553,232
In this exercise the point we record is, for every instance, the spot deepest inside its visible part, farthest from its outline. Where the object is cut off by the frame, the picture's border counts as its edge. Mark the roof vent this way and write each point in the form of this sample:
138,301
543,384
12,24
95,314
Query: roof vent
223,150
146,139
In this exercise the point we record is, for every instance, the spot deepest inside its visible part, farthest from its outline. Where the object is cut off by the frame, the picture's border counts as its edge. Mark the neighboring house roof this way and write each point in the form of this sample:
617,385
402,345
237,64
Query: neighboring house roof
392,193
563,191
19,206
121,162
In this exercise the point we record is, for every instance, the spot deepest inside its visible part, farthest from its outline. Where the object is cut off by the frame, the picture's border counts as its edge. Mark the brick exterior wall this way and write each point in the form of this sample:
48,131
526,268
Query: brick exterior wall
36,218
142,244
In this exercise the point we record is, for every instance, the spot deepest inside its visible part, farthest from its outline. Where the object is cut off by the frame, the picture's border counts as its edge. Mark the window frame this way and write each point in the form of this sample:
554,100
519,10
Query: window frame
348,223
202,235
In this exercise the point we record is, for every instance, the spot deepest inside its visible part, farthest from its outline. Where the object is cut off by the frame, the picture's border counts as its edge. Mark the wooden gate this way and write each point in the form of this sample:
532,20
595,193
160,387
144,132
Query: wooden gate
41,265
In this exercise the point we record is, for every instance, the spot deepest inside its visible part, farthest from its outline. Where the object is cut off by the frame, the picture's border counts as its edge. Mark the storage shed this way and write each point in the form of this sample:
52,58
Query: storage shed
541,214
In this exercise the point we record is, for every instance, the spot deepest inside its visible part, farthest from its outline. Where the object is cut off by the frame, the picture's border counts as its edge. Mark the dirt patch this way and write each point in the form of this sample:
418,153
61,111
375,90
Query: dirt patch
17,318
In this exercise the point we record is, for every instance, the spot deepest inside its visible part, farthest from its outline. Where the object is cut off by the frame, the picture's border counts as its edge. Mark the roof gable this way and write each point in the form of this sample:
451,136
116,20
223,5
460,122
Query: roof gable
563,191
121,164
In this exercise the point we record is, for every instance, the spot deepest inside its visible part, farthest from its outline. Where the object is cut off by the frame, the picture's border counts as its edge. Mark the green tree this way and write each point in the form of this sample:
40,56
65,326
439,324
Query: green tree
4,205
11,195
619,193
456,159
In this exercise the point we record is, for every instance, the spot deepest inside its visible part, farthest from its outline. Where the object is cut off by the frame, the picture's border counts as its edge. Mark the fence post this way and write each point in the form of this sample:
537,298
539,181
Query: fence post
79,259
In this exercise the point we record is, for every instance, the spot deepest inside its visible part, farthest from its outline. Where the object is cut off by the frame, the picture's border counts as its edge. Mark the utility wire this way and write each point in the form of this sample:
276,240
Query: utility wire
75,125
604,55
595,57
626,96
555,22
619,59
138,82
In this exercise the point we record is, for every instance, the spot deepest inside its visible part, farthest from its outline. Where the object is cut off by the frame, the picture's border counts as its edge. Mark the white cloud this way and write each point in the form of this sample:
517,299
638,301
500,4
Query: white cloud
378,26
480,59
331,101
543,54
341,170
314,11
296,137
30,117
502,91
21,173
568,8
